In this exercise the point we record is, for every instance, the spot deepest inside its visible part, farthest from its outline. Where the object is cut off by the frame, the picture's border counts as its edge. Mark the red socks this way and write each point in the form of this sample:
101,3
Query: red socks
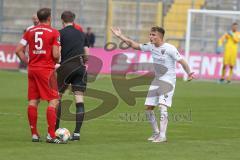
32,118
51,119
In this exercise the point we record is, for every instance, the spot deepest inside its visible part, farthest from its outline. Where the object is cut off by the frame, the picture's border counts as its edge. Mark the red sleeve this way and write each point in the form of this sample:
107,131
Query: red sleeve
24,41
56,38
25,35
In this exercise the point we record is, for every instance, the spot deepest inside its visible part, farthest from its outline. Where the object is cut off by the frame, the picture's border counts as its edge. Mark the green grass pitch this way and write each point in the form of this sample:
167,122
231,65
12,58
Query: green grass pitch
204,125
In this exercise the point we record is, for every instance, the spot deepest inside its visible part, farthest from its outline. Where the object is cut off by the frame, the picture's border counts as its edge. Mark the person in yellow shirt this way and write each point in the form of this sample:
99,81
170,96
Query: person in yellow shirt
230,40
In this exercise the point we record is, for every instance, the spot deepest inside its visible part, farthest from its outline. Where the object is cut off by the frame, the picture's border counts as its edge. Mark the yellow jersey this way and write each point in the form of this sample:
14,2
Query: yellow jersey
231,47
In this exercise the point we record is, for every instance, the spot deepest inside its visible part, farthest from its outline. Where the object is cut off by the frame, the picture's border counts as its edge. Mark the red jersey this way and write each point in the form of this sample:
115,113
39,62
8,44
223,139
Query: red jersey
41,39
78,27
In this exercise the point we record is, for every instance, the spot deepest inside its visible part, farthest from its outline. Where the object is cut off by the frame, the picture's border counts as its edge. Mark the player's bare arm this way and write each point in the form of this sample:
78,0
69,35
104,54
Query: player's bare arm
56,53
20,53
86,53
187,69
118,33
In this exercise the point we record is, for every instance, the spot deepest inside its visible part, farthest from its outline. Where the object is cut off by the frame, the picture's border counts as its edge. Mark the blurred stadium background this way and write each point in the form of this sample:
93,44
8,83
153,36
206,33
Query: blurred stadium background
135,17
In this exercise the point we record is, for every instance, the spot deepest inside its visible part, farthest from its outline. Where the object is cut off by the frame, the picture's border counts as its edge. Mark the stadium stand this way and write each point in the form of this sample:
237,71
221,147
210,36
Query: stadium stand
134,17
89,13
176,19
223,4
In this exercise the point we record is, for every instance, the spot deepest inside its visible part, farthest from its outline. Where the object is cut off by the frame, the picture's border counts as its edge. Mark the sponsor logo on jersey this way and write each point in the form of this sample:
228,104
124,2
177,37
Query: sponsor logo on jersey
163,51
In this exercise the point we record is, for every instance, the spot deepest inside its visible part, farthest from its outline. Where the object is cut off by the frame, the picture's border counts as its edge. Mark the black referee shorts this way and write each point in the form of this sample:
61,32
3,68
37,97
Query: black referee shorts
72,73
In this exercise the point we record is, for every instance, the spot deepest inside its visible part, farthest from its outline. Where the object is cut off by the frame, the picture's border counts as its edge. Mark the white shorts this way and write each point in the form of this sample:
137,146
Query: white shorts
160,92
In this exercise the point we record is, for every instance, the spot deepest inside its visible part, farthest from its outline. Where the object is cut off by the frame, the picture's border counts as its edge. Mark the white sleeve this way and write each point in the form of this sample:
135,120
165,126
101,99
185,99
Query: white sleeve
146,47
23,42
175,54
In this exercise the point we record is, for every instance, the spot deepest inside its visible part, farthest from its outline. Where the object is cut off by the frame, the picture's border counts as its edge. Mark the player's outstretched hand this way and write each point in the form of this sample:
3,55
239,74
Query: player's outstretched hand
116,31
191,76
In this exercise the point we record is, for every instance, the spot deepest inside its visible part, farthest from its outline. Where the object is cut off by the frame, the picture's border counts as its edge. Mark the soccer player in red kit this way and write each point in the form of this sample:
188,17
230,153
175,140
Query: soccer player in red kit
44,52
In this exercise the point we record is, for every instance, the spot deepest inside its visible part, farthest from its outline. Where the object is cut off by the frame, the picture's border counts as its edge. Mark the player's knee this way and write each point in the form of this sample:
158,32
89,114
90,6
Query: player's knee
79,97
33,102
54,103
150,107
163,112
80,93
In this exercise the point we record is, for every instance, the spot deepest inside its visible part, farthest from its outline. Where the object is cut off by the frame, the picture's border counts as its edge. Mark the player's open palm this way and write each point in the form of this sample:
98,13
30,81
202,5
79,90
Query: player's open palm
116,31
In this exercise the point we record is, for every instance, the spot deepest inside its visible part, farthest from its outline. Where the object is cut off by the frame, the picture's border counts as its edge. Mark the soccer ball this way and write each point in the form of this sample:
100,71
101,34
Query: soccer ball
63,134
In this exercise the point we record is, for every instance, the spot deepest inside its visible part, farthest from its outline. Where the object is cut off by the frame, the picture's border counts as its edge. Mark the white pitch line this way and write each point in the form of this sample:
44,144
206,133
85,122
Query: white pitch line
10,114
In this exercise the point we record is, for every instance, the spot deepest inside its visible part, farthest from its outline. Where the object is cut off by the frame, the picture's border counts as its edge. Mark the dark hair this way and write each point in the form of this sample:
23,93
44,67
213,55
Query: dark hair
68,16
43,14
235,23
158,29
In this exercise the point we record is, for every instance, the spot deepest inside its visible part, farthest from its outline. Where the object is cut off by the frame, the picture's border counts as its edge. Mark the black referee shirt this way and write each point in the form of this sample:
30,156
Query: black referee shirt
73,42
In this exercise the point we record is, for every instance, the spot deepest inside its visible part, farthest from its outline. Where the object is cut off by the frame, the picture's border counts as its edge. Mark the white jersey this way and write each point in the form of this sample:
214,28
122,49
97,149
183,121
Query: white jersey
164,59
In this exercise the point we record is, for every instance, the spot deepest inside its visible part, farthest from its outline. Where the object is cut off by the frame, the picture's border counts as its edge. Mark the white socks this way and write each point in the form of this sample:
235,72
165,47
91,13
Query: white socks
152,119
163,121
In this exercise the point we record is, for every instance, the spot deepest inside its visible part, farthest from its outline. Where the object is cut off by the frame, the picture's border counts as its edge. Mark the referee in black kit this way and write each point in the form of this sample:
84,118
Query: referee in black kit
74,51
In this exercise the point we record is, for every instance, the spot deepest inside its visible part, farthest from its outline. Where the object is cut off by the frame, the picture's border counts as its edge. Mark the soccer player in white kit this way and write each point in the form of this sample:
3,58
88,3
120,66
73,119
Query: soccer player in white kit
162,88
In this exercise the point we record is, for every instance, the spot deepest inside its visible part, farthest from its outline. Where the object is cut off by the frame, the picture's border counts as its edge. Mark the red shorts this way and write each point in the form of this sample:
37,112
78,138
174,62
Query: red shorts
42,84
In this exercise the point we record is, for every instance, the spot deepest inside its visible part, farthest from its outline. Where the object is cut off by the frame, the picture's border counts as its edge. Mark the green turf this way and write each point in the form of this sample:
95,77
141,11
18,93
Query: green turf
204,125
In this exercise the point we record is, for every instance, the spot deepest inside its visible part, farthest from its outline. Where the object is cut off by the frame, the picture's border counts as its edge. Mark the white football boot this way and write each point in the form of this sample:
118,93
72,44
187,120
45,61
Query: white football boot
155,135
159,139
